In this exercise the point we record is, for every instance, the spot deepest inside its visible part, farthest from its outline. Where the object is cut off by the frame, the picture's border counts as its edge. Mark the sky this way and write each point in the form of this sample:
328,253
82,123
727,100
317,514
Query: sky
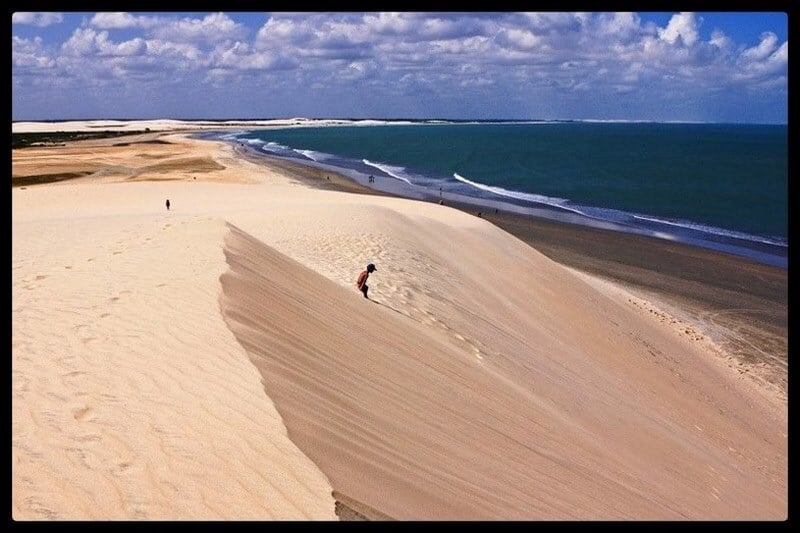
705,67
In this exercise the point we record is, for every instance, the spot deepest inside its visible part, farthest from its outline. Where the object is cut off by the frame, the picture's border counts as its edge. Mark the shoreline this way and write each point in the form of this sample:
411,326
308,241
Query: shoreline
766,245
741,304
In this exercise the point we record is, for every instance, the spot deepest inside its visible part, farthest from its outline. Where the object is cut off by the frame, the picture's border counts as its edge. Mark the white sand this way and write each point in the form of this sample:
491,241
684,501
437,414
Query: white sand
177,125
153,350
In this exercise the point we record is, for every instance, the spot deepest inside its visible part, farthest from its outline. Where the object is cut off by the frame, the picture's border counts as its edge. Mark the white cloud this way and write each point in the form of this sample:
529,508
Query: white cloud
448,28
114,20
721,41
276,31
542,23
82,42
619,23
42,20
623,27
358,70
763,50
472,45
133,47
759,67
183,54
476,82
519,39
239,56
681,26
781,55
213,28
29,54
390,23
88,42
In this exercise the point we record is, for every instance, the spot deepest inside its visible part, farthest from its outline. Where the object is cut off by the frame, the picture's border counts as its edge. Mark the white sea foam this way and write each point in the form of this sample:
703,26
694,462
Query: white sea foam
714,230
614,215
528,197
393,171
313,155
231,136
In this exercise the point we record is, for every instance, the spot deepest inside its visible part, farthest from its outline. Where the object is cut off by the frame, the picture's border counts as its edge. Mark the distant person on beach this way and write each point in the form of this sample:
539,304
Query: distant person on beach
167,204
362,279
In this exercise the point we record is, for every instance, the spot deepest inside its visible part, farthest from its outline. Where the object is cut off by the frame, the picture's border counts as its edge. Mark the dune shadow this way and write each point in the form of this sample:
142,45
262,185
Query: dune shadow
387,306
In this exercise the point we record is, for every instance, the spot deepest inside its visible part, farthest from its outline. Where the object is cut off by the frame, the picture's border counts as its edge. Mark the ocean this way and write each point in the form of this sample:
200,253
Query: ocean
718,186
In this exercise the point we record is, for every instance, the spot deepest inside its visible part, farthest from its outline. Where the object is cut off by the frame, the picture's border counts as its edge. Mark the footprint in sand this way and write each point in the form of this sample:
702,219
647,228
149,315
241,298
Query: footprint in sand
40,276
114,299
478,354
82,413
109,398
90,260
68,267
117,253
91,437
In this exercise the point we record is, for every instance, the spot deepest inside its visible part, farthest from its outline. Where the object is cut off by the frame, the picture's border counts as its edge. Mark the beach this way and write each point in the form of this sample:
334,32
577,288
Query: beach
215,360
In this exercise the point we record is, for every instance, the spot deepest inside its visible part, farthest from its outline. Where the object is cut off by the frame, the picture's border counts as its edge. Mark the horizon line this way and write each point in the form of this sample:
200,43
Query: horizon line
405,119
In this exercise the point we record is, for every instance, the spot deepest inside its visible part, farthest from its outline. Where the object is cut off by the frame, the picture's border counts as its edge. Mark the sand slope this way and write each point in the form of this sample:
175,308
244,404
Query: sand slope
216,361
554,403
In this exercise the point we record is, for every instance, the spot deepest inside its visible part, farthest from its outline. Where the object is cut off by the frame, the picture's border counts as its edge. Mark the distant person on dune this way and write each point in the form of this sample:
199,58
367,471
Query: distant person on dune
362,279
167,204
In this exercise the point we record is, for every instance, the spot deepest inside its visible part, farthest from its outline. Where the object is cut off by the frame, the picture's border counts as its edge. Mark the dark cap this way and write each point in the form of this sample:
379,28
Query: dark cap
371,267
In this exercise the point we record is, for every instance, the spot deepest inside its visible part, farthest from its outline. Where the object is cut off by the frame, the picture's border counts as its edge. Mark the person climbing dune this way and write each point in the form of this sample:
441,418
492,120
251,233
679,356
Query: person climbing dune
361,283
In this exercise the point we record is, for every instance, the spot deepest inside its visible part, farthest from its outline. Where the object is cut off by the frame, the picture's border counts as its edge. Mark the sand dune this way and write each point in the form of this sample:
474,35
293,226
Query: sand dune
588,414
216,361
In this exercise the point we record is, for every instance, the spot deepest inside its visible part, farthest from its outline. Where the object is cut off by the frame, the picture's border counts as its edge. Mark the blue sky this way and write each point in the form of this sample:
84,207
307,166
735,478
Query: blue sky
710,67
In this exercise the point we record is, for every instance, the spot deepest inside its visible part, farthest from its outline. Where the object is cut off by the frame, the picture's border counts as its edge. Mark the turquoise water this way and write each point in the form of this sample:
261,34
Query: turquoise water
700,183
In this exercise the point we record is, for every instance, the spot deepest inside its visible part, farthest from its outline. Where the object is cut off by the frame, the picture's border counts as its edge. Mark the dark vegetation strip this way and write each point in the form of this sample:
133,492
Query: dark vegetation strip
154,141
25,140
38,179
